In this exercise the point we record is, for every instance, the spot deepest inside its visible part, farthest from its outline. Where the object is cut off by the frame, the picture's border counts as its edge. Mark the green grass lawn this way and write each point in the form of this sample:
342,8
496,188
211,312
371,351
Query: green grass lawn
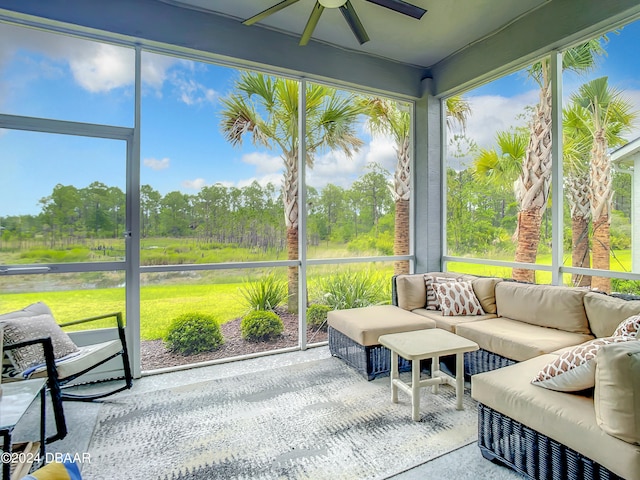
161,304
620,262
217,293
158,304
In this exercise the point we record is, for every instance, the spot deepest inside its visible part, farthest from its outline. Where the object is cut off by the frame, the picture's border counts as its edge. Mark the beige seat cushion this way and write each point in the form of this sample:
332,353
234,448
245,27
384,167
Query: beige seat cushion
412,291
565,417
86,357
365,325
446,322
543,305
518,340
605,313
617,390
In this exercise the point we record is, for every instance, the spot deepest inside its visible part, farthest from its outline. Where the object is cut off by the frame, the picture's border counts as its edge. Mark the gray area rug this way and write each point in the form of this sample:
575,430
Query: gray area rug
315,420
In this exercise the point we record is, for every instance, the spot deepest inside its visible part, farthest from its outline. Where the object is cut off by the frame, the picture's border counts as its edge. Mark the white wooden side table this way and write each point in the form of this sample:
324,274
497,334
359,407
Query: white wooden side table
418,345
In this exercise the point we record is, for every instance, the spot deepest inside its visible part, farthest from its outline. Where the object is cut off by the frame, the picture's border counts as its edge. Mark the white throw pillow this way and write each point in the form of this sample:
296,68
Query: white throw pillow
628,327
575,369
430,282
457,298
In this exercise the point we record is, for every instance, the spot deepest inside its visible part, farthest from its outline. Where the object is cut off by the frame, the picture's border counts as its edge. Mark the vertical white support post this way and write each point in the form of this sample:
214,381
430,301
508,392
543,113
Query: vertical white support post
557,193
132,244
302,215
635,215
412,197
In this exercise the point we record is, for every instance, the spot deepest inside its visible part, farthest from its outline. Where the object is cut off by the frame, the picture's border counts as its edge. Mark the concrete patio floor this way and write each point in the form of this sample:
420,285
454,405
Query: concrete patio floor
464,463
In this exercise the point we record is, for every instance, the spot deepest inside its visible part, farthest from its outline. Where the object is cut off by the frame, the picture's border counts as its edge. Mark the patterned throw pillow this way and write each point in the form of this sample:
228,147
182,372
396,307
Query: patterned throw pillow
628,327
430,281
34,321
458,298
575,369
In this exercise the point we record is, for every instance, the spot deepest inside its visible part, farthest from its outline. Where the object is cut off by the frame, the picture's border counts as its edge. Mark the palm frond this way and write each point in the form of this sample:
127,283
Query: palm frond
503,165
238,119
584,58
458,111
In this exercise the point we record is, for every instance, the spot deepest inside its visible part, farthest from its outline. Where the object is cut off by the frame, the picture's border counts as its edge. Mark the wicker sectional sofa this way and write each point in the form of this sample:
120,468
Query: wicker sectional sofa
541,433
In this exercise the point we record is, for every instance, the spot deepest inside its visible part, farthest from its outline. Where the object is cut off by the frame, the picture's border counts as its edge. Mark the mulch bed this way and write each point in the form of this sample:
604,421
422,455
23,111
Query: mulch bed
154,355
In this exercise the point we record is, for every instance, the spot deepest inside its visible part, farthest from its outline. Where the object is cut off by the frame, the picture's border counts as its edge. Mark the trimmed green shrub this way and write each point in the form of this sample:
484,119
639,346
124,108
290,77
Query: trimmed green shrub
317,315
192,333
264,294
261,325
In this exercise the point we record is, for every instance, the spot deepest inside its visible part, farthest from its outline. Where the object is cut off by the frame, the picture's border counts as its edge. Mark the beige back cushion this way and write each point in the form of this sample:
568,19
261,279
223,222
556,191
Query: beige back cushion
412,292
485,290
617,390
605,313
543,305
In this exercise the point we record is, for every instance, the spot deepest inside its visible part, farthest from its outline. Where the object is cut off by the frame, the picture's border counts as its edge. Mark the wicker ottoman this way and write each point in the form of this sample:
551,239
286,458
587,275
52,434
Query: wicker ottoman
354,333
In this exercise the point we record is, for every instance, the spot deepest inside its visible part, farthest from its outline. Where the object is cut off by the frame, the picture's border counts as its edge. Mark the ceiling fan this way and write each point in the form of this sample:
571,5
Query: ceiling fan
347,10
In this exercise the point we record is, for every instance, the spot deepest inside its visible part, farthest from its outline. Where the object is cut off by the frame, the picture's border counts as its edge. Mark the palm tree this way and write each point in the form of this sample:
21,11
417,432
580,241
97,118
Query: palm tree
576,146
609,116
388,118
533,184
266,109
500,167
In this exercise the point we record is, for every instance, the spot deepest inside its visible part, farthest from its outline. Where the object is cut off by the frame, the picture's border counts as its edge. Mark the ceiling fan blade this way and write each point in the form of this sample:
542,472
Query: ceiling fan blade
269,11
352,19
311,23
401,7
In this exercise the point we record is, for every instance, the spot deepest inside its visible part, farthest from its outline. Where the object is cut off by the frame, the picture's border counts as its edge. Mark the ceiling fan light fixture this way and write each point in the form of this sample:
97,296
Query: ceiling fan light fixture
332,3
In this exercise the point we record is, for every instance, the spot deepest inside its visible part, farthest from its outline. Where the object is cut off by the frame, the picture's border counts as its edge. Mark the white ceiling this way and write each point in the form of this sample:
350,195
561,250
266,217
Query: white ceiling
448,25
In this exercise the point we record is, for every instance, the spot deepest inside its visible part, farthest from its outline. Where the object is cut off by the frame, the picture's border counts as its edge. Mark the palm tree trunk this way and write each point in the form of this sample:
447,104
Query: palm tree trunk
401,236
290,199
292,272
401,195
529,222
532,187
577,189
601,253
580,250
600,197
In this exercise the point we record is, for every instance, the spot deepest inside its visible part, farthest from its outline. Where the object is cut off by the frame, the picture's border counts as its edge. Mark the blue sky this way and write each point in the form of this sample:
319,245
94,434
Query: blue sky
499,104
52,76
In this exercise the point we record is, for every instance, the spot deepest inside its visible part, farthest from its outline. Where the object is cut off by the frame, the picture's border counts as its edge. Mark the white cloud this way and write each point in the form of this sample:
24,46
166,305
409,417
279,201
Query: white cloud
338,169
196,184
263,162
154,68
96,67
491,114
103,67
191,92
274,178
155,164
382,151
